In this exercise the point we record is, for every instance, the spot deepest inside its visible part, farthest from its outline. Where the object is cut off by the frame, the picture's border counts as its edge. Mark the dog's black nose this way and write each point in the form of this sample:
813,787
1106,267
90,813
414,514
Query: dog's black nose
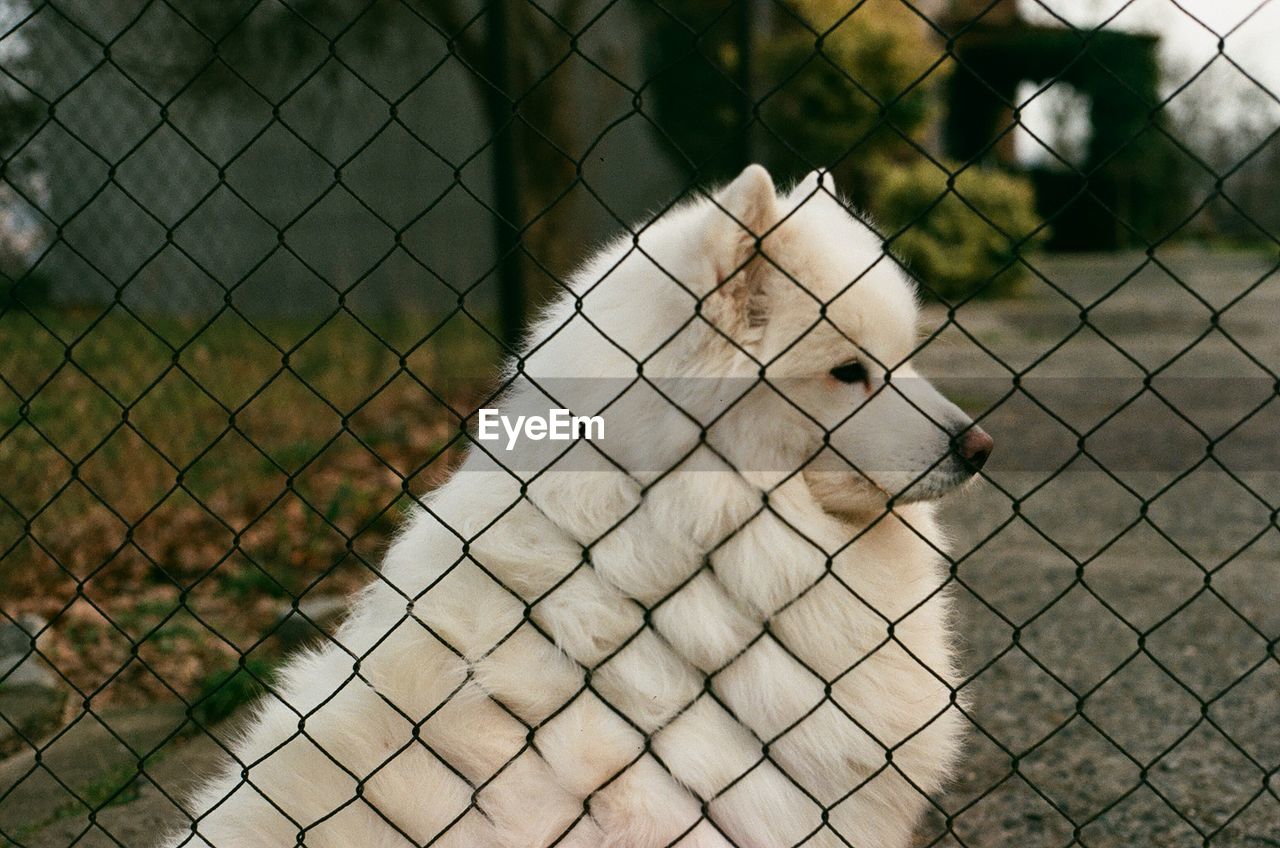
973,446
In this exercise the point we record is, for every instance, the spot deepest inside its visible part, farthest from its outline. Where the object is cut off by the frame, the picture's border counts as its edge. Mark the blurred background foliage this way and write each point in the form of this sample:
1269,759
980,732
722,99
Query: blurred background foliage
955,231
550,111
859,90
846,88
315,226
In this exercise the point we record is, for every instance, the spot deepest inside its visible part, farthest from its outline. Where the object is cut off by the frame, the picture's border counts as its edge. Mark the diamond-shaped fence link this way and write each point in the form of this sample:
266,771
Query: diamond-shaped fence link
264,580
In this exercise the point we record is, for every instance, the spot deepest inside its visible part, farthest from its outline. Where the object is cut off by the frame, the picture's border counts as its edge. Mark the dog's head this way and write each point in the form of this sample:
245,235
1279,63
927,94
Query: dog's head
804,289
750,283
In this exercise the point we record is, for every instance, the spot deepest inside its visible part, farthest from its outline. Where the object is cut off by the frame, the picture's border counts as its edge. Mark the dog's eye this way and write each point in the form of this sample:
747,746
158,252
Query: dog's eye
851,372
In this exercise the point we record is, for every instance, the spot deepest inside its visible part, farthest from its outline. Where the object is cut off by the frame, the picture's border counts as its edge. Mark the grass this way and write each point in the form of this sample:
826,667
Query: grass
166,484
225,690
116,786
113,787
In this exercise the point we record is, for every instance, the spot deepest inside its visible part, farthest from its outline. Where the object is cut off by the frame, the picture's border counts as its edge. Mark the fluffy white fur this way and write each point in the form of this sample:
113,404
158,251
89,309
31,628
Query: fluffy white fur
631,657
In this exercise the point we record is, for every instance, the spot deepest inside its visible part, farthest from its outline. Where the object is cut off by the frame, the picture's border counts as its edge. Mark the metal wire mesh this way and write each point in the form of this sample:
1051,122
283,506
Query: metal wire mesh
260,257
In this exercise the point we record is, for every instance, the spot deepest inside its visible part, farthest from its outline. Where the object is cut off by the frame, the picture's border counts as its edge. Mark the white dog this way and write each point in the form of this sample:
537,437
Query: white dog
703,629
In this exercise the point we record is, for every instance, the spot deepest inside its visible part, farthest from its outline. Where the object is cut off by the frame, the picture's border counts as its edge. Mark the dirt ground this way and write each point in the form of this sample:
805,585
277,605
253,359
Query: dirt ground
1117,590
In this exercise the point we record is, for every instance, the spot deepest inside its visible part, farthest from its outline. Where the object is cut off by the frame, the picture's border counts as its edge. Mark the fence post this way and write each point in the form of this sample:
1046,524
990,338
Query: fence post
506,178
742,35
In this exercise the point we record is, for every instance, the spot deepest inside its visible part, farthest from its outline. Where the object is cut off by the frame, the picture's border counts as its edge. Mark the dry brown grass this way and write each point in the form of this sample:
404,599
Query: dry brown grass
167,488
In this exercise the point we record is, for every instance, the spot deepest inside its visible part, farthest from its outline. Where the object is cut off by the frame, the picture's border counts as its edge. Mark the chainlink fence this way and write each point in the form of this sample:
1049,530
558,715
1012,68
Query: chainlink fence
260,262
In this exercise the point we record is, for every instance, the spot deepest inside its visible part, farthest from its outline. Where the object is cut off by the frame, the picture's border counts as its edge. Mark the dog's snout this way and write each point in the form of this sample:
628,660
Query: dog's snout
973,446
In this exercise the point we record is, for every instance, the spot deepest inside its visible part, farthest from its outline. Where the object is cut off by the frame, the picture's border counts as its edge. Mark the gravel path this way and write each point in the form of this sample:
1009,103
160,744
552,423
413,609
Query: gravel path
1120,625
1121,629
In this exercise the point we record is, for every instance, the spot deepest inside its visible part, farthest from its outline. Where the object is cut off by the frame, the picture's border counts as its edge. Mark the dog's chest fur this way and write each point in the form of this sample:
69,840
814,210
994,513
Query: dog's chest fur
753,653
711,672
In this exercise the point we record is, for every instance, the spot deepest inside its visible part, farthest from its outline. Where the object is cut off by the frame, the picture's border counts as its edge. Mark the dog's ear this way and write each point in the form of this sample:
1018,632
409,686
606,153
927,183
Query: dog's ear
748,206
742,216
815,181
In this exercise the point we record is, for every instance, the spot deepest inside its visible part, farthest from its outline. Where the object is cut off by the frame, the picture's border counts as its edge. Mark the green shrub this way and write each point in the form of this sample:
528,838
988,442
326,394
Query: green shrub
834,86
829,106
846,92
963,240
